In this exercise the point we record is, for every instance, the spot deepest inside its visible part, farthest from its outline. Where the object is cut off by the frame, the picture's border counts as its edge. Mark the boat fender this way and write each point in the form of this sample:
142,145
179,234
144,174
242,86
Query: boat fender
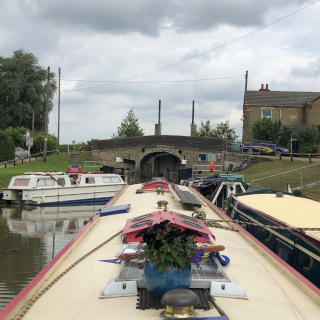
307,266
211,166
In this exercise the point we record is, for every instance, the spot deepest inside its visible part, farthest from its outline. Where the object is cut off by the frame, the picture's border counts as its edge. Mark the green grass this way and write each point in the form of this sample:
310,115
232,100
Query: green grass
310,174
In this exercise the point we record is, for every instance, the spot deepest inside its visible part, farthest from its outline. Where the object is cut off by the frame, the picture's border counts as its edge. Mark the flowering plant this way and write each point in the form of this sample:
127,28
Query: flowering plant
167,245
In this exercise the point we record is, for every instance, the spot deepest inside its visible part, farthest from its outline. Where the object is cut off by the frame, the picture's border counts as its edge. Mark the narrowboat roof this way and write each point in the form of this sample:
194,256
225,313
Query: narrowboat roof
69,287
298,212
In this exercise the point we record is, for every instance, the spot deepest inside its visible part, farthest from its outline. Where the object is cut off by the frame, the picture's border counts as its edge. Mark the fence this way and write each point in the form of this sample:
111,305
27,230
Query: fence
287,172
26,159
93,164
201,170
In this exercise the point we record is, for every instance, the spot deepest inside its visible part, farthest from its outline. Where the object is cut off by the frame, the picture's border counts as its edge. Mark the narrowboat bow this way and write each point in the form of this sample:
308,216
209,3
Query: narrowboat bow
87,280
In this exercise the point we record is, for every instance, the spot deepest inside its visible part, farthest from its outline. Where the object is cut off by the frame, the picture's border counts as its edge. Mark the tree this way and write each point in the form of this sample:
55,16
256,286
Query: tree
23,91
222,131
308,138
205,129
129,126
274,131
6,147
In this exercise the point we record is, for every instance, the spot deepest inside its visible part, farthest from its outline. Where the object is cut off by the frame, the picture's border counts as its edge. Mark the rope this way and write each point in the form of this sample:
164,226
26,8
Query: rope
42,292
214,223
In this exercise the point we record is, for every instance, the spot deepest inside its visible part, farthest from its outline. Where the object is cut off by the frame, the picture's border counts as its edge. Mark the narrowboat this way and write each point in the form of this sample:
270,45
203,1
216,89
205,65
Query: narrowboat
89,279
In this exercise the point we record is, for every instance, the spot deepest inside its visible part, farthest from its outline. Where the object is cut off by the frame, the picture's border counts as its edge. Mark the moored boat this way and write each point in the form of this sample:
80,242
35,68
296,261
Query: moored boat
88,281
59,188
287,223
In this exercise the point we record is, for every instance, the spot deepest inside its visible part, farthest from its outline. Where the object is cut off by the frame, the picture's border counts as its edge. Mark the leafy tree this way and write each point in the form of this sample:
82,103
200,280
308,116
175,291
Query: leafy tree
205,129
129,126
309,139
6,147
23,89
222,131
274,131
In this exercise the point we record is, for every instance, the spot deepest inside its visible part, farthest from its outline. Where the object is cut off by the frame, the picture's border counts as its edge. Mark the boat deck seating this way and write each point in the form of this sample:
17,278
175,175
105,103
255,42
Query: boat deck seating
124,208
187,198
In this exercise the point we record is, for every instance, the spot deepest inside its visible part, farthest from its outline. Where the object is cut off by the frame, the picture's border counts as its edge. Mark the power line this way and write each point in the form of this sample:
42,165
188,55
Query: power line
147,82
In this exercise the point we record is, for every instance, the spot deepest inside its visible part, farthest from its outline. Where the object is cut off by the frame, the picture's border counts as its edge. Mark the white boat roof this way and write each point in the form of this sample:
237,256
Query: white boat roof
297,212
71,291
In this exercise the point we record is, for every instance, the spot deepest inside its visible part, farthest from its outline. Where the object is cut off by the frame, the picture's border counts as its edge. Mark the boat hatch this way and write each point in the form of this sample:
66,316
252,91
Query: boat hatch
134,225
210,276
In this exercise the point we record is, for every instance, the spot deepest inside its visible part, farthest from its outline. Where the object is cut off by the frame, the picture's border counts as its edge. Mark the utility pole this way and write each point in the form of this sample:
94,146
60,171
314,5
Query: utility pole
58,140
32,125
46,121
244,103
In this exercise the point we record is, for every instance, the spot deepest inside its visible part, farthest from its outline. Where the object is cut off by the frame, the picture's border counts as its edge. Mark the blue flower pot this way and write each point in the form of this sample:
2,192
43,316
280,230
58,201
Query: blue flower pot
158,283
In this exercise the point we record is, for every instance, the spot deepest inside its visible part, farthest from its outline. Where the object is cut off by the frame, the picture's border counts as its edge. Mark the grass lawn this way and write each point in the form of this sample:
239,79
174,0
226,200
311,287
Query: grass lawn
282,171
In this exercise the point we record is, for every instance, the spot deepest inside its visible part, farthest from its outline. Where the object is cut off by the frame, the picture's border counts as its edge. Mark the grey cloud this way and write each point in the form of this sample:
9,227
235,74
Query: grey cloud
149,17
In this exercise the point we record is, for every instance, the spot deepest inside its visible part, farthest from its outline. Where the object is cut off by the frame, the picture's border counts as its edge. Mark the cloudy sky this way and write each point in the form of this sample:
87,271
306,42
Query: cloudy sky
118,55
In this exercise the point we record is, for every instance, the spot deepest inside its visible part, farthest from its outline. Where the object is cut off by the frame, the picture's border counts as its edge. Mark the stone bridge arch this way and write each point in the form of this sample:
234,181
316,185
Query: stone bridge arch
160,162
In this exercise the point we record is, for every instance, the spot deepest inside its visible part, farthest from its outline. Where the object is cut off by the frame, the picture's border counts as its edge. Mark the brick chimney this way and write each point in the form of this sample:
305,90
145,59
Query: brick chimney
264,89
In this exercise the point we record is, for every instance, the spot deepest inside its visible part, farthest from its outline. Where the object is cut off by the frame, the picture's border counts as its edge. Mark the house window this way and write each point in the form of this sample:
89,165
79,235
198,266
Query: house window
266,113
202,157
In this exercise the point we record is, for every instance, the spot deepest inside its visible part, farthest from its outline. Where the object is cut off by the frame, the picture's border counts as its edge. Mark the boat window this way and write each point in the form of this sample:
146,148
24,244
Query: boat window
45,182
21,182
110,179
283,250
90,180
62,180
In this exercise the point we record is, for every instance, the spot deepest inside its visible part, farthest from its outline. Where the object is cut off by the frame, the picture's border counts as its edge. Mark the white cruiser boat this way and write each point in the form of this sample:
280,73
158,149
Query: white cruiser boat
88,279
59,188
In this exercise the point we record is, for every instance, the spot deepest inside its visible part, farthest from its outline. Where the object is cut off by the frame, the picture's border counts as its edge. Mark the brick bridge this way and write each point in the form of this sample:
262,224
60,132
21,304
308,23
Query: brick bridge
159,155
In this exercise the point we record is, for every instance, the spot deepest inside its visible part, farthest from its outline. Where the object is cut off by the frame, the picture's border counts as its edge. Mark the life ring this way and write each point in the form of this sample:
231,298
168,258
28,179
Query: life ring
211,166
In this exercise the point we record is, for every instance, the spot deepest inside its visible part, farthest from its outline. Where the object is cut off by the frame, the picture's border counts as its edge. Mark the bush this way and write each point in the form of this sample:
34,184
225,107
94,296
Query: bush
7,151
309,138
38,142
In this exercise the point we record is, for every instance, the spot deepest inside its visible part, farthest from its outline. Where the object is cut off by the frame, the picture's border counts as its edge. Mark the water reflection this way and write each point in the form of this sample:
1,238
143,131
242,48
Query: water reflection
30,237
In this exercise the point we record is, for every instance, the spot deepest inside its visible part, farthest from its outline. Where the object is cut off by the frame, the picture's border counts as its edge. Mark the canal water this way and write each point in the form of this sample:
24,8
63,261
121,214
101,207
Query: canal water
30,237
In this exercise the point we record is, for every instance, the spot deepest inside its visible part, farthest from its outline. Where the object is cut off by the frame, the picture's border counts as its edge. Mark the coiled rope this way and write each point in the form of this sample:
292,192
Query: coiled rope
43,291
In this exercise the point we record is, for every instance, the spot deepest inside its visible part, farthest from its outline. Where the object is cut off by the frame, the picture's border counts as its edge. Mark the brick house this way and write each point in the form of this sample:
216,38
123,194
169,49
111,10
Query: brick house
295,109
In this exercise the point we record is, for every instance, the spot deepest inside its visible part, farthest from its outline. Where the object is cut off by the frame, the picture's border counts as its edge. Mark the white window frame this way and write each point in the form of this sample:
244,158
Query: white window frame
264,116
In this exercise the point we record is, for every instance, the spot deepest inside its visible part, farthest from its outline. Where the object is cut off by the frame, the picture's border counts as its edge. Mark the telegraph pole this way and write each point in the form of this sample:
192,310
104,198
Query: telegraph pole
46,121
244,103
58,140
